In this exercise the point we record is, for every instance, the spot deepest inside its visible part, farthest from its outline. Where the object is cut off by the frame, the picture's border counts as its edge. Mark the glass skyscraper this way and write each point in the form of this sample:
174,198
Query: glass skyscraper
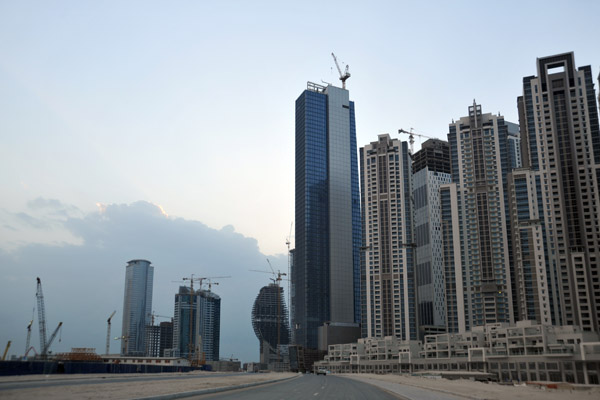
326,274
137,307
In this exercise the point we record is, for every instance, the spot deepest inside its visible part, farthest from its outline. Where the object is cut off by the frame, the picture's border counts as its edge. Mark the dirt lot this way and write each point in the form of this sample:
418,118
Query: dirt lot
74,386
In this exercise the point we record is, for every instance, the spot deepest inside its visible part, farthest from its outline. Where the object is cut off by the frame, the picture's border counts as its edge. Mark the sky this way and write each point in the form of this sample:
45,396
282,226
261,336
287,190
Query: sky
165,131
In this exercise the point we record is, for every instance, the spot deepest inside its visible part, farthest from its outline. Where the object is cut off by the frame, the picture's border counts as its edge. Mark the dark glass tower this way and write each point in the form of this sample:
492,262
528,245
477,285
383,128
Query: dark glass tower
326,274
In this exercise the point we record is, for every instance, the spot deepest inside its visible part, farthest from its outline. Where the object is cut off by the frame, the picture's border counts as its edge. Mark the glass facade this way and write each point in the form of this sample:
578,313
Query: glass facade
198,317
137,307
326,274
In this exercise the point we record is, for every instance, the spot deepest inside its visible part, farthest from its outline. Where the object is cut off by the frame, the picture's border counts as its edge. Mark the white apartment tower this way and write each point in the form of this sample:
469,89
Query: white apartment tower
475,223
387,265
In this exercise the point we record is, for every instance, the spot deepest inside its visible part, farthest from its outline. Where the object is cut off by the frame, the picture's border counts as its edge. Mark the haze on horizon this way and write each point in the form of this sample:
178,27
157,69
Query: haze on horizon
165,131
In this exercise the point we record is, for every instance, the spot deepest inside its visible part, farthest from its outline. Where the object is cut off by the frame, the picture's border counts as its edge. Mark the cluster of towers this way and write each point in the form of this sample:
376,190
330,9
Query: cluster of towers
193,332
500,223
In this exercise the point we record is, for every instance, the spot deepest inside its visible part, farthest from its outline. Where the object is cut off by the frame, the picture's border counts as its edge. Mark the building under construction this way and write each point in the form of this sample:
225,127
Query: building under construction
270,324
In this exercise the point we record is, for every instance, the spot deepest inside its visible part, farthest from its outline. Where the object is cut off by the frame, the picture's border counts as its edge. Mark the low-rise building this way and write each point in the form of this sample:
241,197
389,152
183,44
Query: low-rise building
522,352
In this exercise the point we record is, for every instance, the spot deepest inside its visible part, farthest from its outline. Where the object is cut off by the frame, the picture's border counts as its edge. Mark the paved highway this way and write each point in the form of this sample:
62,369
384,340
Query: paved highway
308,387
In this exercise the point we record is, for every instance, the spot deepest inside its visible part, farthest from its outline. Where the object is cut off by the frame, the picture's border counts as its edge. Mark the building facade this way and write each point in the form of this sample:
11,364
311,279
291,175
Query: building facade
326,274
476,224
269,321
196,325
561,152
388,265
137,307
520,352
431,169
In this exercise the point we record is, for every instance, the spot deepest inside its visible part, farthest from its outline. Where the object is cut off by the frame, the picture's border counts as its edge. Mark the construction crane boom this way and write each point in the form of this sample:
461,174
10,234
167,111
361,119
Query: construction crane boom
41,314
154,315
28,336
108,332
6,350
45,350
411,137
345,75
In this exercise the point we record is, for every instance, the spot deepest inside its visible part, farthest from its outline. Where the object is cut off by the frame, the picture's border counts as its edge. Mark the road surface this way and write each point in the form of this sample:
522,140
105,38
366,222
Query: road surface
305,387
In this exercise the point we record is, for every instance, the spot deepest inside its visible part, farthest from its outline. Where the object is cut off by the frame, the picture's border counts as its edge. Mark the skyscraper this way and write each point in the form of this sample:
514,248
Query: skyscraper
474,209
269,321
431,169
137,306
389,295
210,323
197,324
326,276
559,258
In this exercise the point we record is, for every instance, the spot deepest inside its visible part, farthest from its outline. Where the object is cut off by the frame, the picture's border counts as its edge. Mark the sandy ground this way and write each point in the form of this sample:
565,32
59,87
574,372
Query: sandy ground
479,390
128,390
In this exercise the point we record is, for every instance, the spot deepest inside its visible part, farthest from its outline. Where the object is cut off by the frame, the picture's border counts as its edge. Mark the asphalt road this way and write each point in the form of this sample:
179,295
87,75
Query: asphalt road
307,387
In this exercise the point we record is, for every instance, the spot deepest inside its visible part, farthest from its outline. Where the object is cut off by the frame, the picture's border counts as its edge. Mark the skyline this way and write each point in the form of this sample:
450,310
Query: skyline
106,105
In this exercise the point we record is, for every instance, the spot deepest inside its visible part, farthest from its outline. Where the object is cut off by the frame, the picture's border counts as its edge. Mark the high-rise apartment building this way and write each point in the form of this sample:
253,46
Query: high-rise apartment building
388,265
196,324
210,324
475,223
431,169
514,144
326,276
137,307
559,232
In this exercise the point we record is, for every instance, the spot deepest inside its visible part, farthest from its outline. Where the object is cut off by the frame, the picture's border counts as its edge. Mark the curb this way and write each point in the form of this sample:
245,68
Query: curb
182,395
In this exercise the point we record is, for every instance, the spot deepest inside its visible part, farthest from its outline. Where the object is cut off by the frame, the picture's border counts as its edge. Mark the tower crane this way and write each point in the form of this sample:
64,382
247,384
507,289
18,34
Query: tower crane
411,137
276,281
108,332
41,314
154,315
345,75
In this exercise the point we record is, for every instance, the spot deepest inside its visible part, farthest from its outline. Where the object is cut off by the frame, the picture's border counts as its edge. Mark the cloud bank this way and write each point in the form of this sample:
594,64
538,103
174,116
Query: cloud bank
84,282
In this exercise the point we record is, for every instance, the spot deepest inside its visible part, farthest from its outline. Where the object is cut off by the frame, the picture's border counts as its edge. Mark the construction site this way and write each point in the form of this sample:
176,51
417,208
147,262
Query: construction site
160,353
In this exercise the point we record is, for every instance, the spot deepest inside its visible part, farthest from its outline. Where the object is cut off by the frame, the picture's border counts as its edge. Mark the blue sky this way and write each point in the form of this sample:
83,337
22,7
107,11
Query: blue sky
189,105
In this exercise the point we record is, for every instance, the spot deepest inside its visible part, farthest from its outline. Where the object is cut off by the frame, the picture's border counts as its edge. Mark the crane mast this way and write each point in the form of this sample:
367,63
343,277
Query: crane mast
108,332
41,314
28,336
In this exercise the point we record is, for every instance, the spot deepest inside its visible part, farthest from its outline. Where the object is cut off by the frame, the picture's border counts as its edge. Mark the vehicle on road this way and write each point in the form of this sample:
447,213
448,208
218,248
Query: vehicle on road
322,371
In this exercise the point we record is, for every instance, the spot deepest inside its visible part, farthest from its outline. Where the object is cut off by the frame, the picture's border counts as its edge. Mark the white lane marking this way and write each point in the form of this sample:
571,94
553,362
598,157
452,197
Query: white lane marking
316,394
